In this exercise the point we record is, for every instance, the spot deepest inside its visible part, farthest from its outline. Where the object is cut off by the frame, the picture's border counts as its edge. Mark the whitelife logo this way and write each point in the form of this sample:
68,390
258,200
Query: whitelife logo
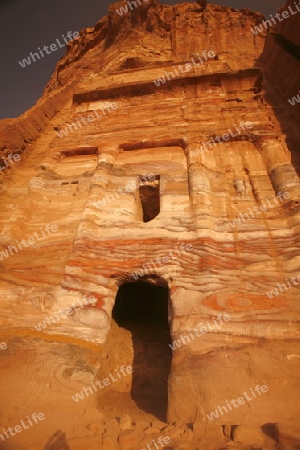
3,346
53,48
106,382
199,331
259,209
30,241
124,9
240,401
9,160
269,23
18,428
275,291
160,443
86,120
185,68
224,138
161,261
294,100
87,301
130,187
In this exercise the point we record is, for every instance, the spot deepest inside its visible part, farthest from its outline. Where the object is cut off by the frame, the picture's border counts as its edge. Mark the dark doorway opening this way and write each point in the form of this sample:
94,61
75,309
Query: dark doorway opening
150,198
142,308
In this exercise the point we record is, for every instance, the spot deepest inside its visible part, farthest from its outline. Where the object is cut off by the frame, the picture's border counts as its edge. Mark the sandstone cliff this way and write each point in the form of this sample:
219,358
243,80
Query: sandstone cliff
155,192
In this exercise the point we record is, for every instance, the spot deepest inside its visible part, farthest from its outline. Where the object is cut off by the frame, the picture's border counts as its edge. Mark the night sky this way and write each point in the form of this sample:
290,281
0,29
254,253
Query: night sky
26,25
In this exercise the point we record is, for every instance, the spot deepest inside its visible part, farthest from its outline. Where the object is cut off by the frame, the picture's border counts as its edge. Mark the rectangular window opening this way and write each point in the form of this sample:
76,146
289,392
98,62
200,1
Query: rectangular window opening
149,192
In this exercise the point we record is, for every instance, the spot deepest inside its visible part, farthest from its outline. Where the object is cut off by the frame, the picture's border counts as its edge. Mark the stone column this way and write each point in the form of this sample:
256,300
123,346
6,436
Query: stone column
200,189
98,188
106,160
107,156
282,174
199,183
90,226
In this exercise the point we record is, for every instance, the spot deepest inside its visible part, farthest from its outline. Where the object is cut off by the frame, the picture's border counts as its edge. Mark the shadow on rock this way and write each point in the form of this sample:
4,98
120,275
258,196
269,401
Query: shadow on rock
57,442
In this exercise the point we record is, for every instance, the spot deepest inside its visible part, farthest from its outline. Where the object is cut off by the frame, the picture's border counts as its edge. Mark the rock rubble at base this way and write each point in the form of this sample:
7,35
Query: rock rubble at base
122,433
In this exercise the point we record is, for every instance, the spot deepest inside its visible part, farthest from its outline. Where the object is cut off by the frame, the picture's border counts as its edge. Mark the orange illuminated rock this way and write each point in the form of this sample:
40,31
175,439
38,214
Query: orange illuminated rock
163,151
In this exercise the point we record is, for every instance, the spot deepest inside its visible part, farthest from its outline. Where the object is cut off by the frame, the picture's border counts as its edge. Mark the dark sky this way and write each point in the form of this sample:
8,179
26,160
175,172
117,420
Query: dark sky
26,25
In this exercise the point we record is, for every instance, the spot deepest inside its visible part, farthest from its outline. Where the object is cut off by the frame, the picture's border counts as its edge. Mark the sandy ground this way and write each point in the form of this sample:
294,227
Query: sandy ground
41,376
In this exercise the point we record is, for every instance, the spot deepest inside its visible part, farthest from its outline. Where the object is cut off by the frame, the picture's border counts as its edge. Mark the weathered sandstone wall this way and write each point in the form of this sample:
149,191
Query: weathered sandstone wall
103,124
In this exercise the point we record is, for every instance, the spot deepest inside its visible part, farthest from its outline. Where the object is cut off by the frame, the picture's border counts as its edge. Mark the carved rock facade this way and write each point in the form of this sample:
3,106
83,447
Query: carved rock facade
114,160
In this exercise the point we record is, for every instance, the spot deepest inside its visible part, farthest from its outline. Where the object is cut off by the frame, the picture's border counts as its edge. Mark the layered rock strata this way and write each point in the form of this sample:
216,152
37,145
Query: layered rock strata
144,162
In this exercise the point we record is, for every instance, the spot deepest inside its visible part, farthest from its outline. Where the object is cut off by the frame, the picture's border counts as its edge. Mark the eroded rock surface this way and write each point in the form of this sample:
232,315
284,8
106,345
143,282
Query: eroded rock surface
152,222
